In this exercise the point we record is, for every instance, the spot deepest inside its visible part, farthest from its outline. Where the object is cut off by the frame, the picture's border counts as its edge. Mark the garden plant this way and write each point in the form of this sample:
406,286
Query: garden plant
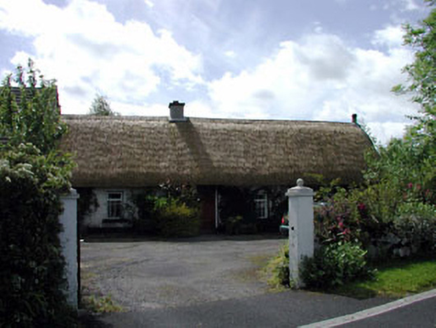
33,176
392,214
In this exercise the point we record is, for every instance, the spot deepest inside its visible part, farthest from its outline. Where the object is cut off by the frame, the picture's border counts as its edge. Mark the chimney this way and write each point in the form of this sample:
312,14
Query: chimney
176,112
354,119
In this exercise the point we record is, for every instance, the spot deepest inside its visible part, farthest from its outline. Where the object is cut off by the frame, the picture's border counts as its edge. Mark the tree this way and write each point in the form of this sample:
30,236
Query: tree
420,140
29,112
422,72
101,107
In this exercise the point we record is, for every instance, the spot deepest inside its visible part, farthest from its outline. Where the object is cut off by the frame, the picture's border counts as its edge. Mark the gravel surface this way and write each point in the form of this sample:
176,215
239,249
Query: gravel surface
151,274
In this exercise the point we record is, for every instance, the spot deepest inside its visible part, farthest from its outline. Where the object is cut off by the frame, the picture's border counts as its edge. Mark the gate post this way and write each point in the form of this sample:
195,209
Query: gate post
68,238
301,237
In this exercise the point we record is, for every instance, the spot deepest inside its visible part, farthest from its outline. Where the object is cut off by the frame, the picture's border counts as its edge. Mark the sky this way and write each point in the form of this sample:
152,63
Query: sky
317,60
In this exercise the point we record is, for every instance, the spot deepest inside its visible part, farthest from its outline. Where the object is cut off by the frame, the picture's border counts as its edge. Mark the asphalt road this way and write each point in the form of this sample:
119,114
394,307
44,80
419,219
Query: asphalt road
214,282
420,314
286,309
153,274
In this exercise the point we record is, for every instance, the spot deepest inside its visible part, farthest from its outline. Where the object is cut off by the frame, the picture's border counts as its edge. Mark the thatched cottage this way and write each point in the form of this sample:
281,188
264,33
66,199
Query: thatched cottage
118,155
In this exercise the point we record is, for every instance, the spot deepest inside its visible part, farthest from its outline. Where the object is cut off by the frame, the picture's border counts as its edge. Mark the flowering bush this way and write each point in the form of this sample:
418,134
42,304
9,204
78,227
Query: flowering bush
32,266
384,220
334,265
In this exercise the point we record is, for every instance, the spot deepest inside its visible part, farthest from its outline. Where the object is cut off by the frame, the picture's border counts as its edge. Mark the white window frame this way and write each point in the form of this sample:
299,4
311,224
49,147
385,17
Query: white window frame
112,203
261,205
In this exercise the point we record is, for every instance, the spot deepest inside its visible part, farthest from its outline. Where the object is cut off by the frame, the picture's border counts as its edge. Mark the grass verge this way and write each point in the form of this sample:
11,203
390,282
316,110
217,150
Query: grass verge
101,304
93,300
395,278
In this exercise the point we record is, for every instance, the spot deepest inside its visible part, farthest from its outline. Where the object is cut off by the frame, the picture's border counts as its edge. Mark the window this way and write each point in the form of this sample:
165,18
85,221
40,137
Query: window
114,204
261,206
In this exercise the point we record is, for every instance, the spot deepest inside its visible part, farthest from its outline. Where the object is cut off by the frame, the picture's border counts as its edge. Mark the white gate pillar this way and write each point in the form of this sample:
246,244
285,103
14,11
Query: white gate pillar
301,237
68,238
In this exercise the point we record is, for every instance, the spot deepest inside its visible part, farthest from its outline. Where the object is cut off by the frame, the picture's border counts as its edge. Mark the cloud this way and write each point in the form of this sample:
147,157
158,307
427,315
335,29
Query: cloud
230,54
320,77
410,5
86,49
149,3
390,37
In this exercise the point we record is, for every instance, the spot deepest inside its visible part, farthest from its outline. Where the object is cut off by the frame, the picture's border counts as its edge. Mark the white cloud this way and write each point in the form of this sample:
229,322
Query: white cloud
322,78
149,3
319,76
410,5
391,37
230,54
88,51
318,27
388,130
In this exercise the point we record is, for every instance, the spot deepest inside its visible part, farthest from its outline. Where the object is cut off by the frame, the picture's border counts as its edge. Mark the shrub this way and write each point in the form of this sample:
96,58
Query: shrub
86,205
278,269
155,204
382,219
414,229
176,219
334,265
32,266
233,225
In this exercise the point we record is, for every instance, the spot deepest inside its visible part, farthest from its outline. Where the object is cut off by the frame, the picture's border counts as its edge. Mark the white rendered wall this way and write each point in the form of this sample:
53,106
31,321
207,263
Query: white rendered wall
68,238
95,219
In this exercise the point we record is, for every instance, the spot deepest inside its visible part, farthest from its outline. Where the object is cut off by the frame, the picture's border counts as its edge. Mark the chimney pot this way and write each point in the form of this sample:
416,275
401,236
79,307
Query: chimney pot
354,118
176,111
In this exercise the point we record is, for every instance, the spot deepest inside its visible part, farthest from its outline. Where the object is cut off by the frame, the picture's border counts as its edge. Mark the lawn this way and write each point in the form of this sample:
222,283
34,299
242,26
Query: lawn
395,278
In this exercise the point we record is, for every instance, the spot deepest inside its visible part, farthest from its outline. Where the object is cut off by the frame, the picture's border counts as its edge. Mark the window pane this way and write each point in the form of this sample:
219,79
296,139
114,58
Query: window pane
114,204
261,206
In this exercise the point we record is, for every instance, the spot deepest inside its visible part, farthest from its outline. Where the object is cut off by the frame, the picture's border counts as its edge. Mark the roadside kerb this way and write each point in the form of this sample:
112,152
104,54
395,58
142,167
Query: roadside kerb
372,312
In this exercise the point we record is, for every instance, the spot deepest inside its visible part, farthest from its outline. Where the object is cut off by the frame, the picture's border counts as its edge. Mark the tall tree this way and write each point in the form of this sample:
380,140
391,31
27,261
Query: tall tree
422,74
411,161
29,111
100,107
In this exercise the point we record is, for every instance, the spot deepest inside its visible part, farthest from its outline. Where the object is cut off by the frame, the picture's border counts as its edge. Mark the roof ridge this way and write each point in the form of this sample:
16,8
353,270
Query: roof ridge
195,118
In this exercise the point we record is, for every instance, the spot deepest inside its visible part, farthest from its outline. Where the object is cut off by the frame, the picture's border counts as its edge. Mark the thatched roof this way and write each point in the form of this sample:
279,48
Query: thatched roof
16,91
115,152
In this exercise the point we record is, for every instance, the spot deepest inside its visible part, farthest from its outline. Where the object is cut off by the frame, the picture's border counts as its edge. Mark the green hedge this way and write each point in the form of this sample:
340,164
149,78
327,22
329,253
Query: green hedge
335,265
31,270
176,219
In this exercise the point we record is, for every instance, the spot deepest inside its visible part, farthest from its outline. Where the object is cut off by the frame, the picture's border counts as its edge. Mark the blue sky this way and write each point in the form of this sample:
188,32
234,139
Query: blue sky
258,59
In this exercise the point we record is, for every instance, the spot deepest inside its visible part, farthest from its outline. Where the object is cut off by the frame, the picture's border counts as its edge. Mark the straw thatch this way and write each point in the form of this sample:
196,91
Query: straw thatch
16,91
143,151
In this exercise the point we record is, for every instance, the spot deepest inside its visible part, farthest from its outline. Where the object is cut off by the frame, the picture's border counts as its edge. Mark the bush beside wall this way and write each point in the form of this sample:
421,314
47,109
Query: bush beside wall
176,219
32,265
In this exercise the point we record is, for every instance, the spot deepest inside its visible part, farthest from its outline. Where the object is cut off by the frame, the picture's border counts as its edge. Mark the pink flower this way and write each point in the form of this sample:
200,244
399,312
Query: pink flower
361,206
410,185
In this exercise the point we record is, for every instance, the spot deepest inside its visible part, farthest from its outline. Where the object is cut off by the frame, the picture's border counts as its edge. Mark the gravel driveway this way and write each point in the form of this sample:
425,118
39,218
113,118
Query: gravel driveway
156,274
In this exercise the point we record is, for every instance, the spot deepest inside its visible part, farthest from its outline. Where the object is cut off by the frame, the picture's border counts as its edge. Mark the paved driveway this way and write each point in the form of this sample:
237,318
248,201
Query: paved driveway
151,274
